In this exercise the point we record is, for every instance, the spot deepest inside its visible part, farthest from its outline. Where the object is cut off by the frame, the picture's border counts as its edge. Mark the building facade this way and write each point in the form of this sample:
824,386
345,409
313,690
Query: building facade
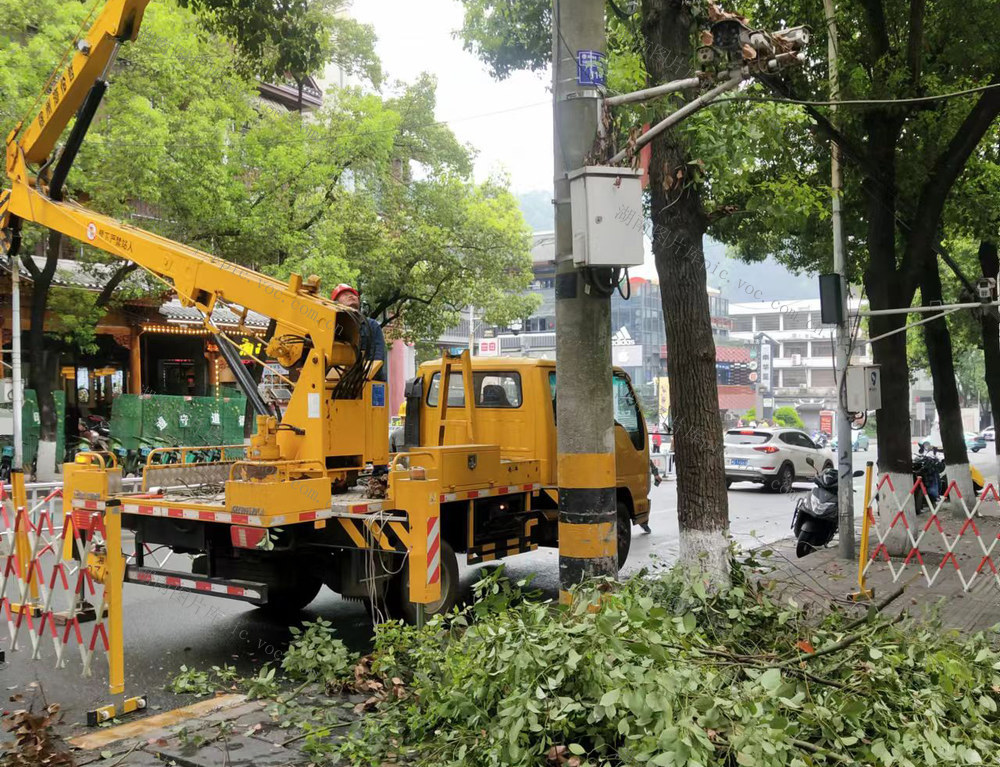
803,351
638,331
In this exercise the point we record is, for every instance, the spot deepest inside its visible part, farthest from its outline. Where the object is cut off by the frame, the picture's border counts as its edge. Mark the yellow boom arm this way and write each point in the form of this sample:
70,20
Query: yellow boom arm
312,335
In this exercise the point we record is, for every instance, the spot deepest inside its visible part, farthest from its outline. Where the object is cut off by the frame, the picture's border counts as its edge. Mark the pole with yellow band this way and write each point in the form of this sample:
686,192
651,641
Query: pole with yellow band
863,591
588,540
109,569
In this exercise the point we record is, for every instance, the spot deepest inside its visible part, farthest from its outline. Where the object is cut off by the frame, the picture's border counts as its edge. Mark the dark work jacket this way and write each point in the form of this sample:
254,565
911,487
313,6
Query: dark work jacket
373,344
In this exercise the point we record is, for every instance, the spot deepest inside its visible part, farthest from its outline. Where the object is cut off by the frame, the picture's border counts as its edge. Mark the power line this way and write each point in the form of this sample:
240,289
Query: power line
861,102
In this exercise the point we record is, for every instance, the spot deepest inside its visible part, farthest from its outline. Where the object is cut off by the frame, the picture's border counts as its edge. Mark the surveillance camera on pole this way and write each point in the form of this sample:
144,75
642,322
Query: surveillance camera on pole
730,53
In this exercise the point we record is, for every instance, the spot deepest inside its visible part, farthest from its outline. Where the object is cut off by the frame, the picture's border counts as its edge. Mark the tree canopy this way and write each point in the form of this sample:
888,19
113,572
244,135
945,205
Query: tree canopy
370,188
293,38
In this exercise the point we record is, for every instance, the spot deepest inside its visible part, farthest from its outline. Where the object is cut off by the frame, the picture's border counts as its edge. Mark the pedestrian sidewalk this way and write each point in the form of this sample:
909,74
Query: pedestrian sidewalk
951,575
225,730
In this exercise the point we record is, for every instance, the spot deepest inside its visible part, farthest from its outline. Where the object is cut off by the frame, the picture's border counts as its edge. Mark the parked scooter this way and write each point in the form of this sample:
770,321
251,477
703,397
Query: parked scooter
816,516
929,467
6,462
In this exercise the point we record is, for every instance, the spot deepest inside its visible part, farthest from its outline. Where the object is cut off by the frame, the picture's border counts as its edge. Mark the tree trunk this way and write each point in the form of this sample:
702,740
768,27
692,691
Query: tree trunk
679,224
942,365
44,361
882,284
989,262
40,379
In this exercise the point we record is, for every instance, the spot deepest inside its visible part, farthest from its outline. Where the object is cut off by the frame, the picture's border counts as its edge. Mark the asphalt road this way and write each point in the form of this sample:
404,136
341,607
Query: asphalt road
165,630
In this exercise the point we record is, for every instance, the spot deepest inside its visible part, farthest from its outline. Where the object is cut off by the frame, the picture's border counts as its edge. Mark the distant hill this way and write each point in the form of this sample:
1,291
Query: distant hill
739,281
537,209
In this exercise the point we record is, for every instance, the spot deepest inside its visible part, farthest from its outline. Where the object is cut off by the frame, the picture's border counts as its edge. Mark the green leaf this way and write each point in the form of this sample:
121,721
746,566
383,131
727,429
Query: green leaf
610,698
577,749
770,680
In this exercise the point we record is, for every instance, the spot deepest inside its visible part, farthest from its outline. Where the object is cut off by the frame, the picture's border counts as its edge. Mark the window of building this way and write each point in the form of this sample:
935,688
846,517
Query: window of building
796,320
743,323
768,322
815,320
791,348
793,377
823,378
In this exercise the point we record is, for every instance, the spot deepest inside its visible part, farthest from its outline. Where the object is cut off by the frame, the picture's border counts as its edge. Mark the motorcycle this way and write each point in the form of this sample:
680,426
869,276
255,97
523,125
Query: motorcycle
816,516
6,461
929,468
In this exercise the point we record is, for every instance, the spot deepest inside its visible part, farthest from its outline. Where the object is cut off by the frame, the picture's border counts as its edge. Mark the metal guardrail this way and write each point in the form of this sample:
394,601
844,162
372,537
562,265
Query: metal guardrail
39,490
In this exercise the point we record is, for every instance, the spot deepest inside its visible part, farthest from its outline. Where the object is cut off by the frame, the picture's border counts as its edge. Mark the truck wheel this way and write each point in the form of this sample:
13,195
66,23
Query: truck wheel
291,592
399,596
624,533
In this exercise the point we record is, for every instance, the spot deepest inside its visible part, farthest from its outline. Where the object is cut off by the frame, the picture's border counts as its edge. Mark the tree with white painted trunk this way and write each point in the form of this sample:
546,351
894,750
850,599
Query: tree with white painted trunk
680,222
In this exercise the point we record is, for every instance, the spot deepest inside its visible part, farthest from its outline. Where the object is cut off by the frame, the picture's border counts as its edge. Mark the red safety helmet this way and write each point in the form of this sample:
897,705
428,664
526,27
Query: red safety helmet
343,288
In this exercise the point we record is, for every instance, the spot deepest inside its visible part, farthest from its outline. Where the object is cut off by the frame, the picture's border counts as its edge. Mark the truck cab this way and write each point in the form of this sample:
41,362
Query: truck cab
515,407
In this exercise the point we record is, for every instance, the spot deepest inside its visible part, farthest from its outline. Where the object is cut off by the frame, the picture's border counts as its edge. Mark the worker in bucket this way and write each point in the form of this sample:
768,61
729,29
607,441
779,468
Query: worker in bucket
372,339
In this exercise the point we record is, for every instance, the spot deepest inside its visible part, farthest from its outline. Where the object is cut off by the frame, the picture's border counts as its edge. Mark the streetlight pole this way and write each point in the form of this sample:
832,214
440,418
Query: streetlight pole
472,330
845,487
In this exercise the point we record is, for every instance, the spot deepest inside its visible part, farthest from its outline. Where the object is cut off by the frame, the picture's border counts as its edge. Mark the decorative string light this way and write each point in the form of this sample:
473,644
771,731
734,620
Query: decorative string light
174,330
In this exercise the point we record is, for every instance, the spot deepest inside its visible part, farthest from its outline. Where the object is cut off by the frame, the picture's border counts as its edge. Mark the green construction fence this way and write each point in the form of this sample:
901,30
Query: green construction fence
160,420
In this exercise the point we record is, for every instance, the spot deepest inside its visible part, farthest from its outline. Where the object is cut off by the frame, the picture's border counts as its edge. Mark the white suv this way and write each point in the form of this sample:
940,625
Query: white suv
774,457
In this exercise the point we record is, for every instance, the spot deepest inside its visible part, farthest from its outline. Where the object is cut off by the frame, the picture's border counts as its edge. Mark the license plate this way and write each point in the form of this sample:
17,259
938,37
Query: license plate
737,461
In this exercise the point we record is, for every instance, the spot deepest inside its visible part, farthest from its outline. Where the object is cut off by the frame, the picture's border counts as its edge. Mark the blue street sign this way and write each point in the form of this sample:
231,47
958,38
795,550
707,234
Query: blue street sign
590,68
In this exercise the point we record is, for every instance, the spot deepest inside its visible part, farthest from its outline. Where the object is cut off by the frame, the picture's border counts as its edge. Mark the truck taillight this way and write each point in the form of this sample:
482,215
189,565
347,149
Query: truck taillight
766,449
246,537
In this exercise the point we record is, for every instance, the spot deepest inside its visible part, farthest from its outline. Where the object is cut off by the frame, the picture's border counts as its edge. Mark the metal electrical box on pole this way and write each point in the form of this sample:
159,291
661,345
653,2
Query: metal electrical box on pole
601,198
584,407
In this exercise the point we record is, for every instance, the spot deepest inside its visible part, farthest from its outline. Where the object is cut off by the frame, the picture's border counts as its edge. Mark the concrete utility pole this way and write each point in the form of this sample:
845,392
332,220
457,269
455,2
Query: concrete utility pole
584,409
845,488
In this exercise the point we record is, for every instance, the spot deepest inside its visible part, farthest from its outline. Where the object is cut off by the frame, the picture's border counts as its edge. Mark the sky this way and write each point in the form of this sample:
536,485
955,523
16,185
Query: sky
509,122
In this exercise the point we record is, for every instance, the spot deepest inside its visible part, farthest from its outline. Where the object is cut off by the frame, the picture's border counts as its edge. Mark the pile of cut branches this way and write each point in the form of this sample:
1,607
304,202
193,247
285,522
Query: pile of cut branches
667,672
